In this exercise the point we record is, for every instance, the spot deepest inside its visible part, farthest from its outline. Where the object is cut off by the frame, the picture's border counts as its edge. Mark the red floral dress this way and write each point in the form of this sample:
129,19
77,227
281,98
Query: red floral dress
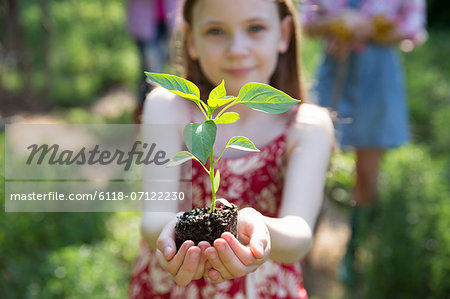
254,180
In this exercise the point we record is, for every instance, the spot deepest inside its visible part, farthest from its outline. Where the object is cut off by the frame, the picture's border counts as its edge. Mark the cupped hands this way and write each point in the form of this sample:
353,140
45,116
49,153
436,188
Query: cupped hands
228,257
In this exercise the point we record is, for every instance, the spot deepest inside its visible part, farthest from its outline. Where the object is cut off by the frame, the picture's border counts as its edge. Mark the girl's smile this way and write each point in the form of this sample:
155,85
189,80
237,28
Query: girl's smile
239,72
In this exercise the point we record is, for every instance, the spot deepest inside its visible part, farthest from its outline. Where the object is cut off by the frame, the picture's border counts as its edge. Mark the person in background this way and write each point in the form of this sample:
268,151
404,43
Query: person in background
150,23
278,190
361,81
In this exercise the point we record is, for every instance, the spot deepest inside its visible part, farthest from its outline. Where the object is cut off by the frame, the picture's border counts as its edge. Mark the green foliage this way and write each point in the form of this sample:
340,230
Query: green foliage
311,52
90,46
217,180
428,89
410,257
80,49
227,118
440,123
180,158
65,255
177,85
76,115
217,102
98,271
241,143
264,98
27,239
218,92
200,137
340,178
81,266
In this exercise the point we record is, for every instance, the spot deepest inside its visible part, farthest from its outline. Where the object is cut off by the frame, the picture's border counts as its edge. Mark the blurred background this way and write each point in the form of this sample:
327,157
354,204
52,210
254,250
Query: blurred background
74,62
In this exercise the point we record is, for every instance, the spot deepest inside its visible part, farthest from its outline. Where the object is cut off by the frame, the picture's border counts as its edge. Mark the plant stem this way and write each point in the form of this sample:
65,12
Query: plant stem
206,169
220,155
223,110
211,177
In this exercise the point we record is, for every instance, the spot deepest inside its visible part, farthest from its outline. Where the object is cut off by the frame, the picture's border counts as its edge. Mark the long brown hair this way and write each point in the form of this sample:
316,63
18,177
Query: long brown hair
286,76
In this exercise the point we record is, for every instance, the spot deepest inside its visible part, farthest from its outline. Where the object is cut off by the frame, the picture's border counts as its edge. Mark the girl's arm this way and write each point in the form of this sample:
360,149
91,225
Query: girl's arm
160,127
310,143
286,239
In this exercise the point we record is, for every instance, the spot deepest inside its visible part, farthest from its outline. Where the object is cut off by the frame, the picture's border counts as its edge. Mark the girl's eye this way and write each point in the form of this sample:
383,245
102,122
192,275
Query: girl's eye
256,28
214,31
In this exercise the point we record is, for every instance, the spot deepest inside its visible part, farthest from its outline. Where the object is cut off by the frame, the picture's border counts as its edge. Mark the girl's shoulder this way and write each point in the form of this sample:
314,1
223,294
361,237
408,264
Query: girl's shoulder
310,121
164,107
314,115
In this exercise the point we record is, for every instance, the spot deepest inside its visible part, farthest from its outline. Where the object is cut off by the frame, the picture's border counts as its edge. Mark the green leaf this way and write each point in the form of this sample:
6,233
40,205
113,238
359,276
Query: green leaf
220,102
177,85
227,118
242,143
180,158
199,139
218,92
216,181
265,98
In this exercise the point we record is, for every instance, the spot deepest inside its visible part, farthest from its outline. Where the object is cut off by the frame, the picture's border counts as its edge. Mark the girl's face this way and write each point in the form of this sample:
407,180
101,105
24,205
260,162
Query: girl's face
237,41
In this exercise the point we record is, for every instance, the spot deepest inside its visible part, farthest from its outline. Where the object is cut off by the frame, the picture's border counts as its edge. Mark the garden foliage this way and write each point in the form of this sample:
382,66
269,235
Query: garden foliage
65,52
408,250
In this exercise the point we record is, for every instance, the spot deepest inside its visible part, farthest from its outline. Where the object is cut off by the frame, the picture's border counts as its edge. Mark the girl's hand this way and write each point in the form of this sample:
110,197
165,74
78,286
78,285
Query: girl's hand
347,31
185,265
360,26
230,258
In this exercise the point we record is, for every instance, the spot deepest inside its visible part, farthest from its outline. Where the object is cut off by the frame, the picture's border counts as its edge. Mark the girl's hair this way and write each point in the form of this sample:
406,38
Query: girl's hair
286,76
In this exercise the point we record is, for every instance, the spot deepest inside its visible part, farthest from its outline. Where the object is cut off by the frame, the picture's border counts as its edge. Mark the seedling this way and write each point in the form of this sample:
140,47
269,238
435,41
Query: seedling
200,137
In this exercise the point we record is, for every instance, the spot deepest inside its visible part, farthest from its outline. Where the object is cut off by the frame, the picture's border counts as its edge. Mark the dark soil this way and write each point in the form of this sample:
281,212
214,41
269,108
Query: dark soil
200,225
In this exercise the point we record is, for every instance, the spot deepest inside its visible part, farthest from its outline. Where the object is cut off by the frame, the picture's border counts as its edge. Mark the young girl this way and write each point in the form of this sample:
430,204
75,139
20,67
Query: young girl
278,190
361,78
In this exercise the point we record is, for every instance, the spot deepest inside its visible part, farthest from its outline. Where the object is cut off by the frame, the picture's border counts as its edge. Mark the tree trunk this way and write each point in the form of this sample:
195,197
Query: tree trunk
47,26
16,51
